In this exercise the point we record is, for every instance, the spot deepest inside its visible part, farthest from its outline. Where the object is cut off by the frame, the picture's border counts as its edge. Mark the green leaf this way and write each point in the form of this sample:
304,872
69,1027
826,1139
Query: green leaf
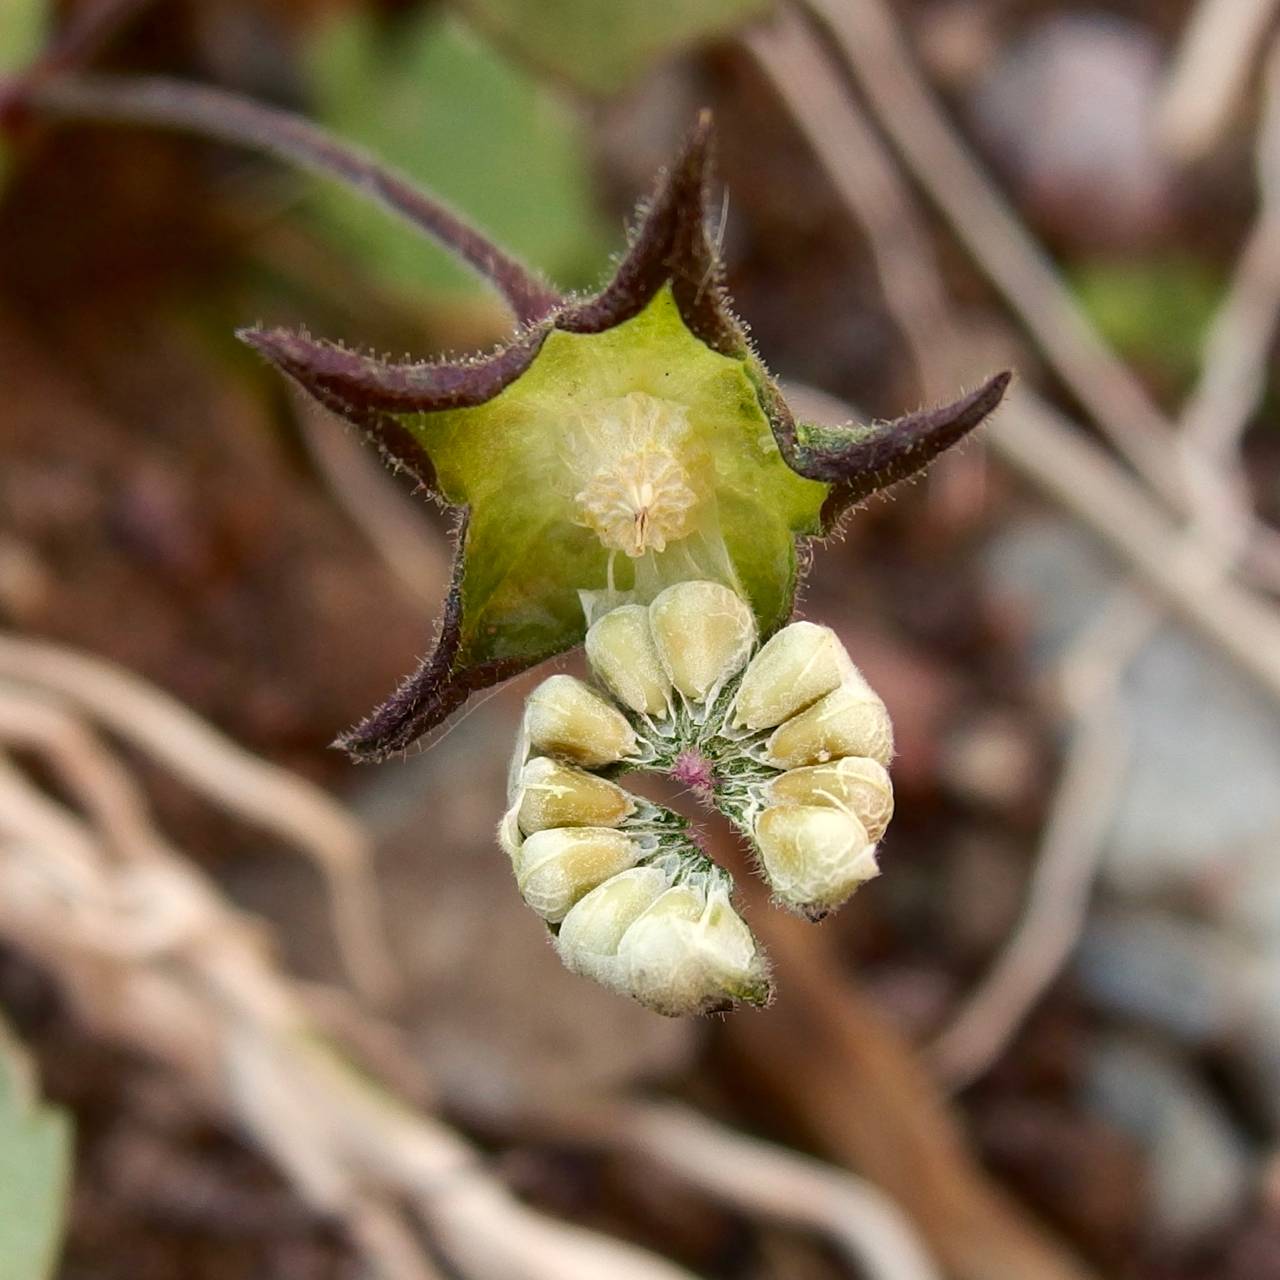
523,460
22,29
601,46
23,24
427,96
1154,312
35,1171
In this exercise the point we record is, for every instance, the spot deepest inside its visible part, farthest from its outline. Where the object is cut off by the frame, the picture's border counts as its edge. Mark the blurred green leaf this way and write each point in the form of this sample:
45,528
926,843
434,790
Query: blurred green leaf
35,1171
1154,312
603,45
428,96
22,27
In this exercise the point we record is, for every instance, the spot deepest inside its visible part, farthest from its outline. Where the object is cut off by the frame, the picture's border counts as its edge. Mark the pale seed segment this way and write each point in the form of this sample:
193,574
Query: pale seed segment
560,795
814,856
854,783
851,721
563,717
621,652
796,667
703,632
589,936
554,869
691,953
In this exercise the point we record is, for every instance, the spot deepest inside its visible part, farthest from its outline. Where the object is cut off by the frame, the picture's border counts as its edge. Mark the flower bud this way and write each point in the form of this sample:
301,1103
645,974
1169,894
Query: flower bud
565,718
854,783
621,651
555,868
703,632
589,935
690,952
814,857
558,795
851,721
796,667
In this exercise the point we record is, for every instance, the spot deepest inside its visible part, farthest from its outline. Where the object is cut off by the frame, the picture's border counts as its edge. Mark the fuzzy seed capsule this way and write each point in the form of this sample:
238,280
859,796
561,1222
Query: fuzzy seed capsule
589,935
565,718
796,667
851,721
690,952
556,868
814,857
854,783
703,632
558,795
621,652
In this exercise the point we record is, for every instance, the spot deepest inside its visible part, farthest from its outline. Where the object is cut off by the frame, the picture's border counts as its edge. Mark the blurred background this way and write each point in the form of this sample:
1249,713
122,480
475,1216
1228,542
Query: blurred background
1045,1045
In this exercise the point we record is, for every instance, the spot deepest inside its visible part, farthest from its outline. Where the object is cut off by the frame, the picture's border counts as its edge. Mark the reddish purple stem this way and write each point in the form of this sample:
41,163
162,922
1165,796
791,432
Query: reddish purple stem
227,117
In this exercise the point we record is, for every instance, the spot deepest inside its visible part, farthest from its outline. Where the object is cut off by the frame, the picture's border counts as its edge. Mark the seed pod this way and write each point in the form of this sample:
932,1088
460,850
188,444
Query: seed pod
555,868
854,783
796,667
621,651
589,935
851,721
690,952
814,857
703,633
565,718
558,795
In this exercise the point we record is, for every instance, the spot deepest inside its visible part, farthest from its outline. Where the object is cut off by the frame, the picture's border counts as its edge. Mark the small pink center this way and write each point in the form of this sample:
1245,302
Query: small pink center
694,771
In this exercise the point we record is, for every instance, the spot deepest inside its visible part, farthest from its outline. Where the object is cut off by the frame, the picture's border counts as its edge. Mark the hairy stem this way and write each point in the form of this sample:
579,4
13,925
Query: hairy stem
215,113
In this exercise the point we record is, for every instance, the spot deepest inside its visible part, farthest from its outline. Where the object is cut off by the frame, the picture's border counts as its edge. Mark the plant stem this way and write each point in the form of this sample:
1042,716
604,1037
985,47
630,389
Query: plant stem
215,113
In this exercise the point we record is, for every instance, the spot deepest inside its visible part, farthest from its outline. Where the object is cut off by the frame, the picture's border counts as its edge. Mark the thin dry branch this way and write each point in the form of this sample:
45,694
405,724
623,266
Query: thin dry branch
149,954
868,35
754,1177
261,793
761,1178
1189,568
1209,73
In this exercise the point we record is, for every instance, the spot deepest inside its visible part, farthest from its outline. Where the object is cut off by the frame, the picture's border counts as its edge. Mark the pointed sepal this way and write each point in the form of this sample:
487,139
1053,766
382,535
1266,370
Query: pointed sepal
860,461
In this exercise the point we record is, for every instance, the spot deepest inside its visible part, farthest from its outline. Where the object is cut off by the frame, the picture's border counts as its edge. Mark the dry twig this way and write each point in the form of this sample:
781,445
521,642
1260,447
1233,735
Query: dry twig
149,954
1209,72
259,792
1189,570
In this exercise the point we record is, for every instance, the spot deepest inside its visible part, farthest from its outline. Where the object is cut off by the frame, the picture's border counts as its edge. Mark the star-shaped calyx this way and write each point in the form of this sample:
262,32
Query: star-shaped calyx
618,444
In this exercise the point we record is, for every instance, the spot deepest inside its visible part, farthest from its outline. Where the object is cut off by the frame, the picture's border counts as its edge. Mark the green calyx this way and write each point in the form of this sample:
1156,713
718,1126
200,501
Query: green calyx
617,463
617,445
